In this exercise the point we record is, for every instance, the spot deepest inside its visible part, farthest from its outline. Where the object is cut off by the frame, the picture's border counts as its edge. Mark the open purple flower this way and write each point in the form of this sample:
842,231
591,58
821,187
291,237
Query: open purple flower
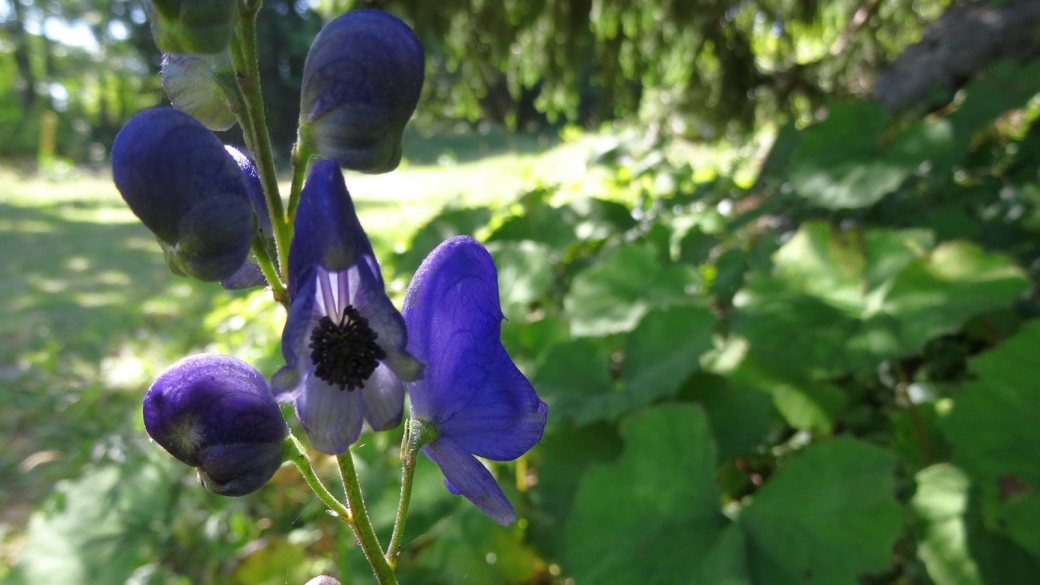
344,341
217,414
471,394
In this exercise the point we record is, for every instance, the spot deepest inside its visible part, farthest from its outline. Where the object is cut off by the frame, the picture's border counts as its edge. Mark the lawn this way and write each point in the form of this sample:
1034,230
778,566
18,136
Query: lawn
90,314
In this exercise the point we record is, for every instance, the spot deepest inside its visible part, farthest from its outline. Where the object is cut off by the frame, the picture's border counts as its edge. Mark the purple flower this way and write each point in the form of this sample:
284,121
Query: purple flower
472,394
217,414
249,274
184,187
361,82
343,342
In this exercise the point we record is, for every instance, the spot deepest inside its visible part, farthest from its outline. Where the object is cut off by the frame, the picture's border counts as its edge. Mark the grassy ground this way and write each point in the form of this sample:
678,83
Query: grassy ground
89,314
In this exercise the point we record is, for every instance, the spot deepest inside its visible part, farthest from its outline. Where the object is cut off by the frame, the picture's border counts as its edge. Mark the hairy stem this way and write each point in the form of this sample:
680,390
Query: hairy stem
293,450
362,526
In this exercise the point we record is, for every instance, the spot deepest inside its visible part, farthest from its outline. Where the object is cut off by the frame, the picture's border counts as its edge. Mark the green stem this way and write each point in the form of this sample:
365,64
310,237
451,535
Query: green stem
263,259
408,455
362,526
302,154
247,70
293,450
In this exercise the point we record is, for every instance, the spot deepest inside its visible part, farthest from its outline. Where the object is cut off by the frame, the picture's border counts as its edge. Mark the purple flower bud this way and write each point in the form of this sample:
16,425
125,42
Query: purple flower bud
192,27
178,179
361,83
193,84
249,274
217,414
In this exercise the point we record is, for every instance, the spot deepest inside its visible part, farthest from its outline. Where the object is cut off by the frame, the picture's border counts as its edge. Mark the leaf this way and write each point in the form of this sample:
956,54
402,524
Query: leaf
866,296
612,295
660,503
568,395
524,275
953,542
994,432
740,417
805,403
841,163
449,223
827,516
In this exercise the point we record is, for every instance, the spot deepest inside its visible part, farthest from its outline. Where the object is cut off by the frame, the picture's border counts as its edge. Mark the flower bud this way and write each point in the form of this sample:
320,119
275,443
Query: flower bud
178,179
193,84
192,27
249,274
323,580
216,413
361,83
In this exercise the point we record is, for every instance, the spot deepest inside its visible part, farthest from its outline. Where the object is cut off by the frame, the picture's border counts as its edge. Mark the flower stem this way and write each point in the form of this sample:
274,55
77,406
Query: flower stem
247,75
303,152
263,259
362,526
408,454
293,450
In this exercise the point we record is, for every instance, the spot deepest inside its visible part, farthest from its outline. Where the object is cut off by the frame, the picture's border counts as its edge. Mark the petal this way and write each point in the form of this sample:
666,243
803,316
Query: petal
505,420
288,381
327,230
331,417
383,397
470,479
371,301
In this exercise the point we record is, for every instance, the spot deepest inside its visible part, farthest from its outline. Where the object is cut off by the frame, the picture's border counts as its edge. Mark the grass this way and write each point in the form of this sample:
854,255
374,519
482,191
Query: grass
90,314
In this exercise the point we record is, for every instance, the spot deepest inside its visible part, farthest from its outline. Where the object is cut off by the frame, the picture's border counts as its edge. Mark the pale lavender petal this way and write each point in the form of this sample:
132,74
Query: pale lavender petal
331,417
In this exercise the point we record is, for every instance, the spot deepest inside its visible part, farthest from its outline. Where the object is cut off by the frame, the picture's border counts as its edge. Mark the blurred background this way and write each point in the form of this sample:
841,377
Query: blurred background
772,264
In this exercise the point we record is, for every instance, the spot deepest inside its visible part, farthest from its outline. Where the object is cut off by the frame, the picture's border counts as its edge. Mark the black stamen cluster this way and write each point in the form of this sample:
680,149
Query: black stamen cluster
345,354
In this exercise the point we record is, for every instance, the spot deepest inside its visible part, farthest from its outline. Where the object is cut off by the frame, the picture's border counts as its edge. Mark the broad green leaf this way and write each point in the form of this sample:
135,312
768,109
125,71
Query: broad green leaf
574,398
953,541
827,516
841,163
612,295
653,516
804,403
836,302
740,417
586,219
450,222
934,294
994,431
530,343
563,458
663,351
524,275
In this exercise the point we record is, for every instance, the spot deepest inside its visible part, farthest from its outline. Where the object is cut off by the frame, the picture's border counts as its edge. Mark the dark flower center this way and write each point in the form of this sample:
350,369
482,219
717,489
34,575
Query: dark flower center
345,353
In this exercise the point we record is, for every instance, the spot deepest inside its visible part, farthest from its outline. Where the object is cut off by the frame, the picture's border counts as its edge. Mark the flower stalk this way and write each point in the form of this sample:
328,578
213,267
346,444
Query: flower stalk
293,450
362,526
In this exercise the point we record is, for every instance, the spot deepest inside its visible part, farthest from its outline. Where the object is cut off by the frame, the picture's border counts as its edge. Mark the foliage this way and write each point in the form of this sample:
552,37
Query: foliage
826,376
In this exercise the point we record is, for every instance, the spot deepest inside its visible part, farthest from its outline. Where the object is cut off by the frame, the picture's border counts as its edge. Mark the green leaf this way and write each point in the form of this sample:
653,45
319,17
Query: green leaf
827,516
841,163
653,516
612,295
449,223
953,542
524,275
805,403
866,296
994,431
740,417
574,398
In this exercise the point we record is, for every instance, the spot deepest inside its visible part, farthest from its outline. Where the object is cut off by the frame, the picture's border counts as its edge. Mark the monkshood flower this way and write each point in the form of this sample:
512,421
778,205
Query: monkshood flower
249,274
216,413
472,398
192,27
343,342
193,84
361,82
183,185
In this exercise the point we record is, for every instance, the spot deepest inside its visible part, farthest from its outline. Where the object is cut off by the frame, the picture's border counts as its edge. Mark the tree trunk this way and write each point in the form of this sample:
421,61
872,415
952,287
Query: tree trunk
962,42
